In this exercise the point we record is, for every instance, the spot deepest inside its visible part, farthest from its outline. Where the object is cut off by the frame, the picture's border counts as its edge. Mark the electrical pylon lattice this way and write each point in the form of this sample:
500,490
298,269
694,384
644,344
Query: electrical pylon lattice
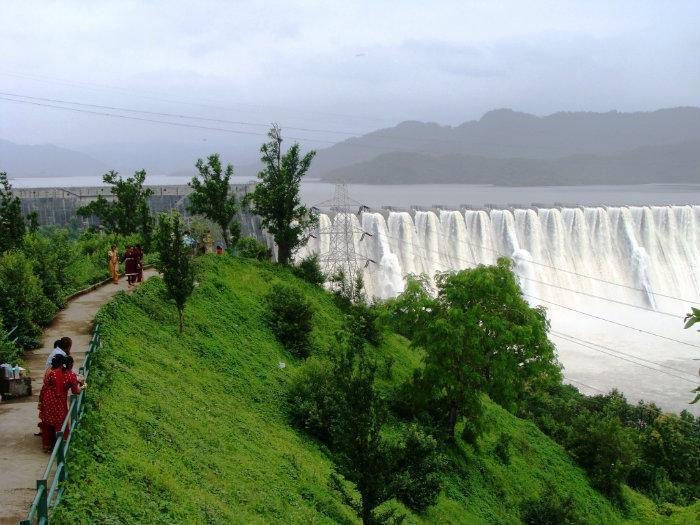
343,233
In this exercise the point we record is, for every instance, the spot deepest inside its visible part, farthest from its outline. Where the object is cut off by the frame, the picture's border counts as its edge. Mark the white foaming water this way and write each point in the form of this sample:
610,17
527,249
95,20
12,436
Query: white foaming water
644,257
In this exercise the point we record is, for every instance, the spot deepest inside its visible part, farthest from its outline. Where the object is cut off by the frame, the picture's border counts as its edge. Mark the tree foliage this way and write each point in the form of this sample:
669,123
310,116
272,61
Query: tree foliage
251,248
128,213
11,221
212,197
22,302
174,262
276,197
616,442
336,401
290,317
480,336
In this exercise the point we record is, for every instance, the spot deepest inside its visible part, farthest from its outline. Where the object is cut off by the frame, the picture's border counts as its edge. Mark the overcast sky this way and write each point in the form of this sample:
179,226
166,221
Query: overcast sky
343,66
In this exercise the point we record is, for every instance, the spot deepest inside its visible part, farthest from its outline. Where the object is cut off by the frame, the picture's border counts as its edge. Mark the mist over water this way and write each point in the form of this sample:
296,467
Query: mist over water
633,265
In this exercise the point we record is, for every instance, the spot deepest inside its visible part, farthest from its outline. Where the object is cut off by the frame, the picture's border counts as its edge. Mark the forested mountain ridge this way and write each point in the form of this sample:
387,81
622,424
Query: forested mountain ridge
674,163
506,147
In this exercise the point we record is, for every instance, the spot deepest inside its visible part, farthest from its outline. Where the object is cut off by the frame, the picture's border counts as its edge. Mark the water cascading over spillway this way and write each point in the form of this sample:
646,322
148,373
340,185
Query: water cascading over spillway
649,250
621,263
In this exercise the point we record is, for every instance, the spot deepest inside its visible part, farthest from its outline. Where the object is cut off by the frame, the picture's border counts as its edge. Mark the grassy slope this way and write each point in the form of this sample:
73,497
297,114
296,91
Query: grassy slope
192,428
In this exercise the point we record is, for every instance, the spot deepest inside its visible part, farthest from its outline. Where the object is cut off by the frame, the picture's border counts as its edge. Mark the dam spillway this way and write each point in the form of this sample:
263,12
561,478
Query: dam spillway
618,279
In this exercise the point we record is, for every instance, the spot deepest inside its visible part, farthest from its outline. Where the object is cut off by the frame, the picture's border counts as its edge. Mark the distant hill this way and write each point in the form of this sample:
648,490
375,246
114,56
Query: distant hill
46,160
675,163
512,136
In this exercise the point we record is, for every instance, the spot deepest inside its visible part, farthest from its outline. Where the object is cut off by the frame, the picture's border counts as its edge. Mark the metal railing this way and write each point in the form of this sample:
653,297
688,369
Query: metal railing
9,334
49,489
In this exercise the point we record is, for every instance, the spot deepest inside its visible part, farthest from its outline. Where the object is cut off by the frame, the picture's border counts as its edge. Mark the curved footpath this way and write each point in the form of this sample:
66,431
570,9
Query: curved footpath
22,461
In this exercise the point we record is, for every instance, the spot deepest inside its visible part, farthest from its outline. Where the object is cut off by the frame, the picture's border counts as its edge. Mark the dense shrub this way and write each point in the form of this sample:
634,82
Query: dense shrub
309,269
550,509
290,318
616,442
251,248
22,301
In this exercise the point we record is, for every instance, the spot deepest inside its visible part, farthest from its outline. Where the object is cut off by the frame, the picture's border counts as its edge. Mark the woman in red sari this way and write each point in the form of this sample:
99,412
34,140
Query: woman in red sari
52,403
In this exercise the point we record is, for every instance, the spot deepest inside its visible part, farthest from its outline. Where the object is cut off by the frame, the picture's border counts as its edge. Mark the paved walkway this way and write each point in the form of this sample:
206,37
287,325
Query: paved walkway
22,460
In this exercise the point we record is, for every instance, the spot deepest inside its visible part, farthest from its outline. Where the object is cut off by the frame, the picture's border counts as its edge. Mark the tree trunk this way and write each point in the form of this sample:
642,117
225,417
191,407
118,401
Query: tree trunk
366,511
282,254
181,319
227,237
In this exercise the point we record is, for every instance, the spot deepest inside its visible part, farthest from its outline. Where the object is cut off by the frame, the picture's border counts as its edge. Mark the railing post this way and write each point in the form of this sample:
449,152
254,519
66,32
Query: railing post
61,458
42,508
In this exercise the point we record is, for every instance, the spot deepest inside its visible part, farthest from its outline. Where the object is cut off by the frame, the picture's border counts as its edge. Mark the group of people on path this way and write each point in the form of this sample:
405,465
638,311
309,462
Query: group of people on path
59,379
133,264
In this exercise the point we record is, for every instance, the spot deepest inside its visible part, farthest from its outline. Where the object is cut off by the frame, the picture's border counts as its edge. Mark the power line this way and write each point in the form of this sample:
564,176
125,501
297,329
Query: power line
209,104
175,115
613,322
688,380
584,384
632,356
349,134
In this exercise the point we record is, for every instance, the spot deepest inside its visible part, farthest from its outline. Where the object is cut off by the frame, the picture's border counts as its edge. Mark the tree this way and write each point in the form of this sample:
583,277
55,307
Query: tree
212,197
337,402
129,212
22,302
276,197
11,220
480,336
174,262
290,317
690,319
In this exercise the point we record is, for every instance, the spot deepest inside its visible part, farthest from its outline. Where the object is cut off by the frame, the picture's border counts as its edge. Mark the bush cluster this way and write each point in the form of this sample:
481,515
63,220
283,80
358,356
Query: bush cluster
617,442
290,317
251,248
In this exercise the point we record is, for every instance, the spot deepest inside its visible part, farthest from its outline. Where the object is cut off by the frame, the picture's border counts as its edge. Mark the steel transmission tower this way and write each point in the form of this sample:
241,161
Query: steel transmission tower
344,229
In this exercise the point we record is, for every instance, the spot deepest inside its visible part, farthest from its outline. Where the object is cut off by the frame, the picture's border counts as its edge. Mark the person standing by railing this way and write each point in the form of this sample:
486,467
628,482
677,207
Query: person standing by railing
52,403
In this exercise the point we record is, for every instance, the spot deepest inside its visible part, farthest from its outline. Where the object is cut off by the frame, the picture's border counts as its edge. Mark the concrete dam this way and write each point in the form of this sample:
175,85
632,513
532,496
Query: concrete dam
58,205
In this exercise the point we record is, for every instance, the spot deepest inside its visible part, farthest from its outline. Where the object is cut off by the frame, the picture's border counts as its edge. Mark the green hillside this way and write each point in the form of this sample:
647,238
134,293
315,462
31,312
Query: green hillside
193,428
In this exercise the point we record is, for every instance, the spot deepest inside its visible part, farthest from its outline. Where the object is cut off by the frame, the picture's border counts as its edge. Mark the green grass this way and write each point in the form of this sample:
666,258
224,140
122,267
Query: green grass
193,429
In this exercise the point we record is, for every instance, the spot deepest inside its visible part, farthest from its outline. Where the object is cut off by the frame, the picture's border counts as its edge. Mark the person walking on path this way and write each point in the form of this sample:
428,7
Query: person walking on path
130,265
138,251
113,262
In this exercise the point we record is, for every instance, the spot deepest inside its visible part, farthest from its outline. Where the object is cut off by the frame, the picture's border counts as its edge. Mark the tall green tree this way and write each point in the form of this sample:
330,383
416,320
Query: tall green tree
480,336
128,213
690,319
11,221
212,197
276,197
174,262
